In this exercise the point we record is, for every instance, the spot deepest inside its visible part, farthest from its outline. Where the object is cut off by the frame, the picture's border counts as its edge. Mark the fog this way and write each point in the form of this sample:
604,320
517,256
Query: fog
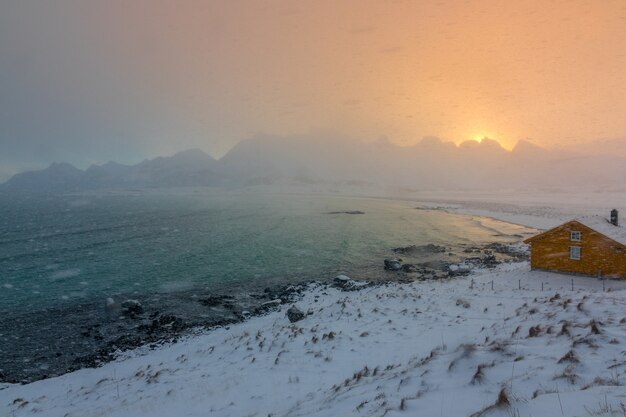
88,82
330,162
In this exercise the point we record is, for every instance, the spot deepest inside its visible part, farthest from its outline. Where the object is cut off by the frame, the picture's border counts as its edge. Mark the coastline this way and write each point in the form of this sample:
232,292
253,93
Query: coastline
96,333
89,332
393,328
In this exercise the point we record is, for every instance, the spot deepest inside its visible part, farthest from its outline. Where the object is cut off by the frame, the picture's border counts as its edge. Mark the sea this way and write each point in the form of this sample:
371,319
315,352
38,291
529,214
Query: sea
58,250
65,260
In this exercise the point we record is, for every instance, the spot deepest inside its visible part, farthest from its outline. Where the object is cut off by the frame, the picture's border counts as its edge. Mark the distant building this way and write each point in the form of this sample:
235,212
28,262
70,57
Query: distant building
592,246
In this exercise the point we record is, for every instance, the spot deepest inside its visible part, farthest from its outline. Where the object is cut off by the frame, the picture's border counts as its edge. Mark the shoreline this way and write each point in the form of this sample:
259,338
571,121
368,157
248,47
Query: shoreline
391,347
98,332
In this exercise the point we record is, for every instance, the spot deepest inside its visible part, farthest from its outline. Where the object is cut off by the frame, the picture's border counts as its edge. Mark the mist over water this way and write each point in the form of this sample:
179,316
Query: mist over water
57,251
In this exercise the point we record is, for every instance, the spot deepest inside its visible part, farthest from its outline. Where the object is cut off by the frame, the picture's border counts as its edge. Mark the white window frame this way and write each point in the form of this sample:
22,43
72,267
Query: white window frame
575,253
575,236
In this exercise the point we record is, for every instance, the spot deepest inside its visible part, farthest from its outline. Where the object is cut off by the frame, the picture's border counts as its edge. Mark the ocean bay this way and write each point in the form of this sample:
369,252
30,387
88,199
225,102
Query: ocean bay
203,258
59,250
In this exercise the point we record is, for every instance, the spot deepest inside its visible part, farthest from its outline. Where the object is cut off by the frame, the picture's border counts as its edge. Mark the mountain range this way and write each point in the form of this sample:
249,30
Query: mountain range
431,164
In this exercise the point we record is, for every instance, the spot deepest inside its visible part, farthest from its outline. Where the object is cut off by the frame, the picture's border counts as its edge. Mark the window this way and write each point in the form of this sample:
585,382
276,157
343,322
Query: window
574,252
575,236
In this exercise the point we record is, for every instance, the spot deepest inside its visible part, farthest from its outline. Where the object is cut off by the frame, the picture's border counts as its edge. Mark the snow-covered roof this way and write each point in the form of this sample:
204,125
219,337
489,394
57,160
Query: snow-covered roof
602,225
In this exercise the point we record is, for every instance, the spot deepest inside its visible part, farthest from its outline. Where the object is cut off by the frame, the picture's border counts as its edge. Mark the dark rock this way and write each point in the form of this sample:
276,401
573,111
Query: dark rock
288,293
210,301
499,247
267,306
258,296
346,212
294,314
472,249
342,281
512,251
406,249
273,303
163,324
463,303
490,261
437,265
416,250
410,268
216,300
393,264
462,269
131,307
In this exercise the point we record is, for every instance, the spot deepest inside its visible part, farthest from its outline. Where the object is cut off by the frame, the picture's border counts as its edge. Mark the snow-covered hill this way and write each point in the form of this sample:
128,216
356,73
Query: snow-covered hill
433,348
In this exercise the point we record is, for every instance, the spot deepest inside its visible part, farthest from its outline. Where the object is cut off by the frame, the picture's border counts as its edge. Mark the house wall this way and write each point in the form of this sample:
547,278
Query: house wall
598,253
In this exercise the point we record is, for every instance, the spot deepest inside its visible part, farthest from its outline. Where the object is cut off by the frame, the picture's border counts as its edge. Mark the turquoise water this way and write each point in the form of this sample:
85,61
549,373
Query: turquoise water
60,250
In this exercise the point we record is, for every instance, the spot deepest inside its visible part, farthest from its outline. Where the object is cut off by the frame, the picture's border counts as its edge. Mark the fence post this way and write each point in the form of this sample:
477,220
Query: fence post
600,276
572,284
492,284
519,284
541,285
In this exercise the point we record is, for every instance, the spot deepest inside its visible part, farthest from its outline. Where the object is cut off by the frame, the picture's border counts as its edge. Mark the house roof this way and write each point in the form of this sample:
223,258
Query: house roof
598,223
602,225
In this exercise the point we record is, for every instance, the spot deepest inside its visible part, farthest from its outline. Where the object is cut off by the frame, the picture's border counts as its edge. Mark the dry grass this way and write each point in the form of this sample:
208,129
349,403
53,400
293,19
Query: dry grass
569,374
543,391
479,375
498,346
569,357
534,331
606,409
402,406
502,402
466,352
612,381
329,336
19,402
594,325
585,341
565,329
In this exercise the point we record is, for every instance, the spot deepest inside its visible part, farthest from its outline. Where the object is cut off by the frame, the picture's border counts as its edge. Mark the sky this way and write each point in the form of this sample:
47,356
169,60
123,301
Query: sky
89,81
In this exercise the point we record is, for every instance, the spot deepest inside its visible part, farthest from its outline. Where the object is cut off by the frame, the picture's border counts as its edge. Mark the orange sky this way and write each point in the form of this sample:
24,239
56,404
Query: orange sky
210,73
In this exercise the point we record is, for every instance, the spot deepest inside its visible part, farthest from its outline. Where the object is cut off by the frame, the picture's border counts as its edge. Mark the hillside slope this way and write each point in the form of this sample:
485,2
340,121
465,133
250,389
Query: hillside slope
444,348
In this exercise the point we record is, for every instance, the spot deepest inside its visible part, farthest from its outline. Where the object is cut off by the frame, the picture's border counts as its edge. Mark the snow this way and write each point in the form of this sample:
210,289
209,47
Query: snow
547,344
536,209
395,349
602,225
545,214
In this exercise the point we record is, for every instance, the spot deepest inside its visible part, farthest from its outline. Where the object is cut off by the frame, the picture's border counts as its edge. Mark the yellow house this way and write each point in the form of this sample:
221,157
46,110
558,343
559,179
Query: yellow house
591,245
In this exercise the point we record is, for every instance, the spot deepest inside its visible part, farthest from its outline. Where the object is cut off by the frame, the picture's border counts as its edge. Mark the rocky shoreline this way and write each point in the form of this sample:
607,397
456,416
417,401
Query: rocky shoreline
40,345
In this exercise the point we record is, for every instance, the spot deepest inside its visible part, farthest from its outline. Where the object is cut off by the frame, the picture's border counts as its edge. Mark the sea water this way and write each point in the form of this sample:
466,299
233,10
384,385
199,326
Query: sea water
59,250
